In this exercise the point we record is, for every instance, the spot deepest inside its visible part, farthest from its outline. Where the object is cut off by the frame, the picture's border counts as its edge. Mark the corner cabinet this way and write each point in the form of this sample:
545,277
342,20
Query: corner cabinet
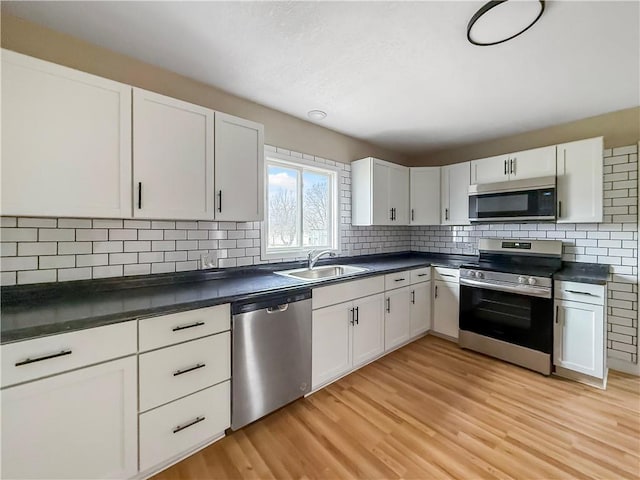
579,181
579,333
380,193
173,162
446,302
424,196
455,181
66,141
239,168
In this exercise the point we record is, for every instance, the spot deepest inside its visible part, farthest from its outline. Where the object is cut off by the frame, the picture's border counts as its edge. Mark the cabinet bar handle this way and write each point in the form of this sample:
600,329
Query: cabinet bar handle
391,214
187,425
388,304
511,170
581,293
436,295
557,312
560,209
27,361
505,167
219,200
184,327
190,369
447,275
352,311
399,279
357,315
413,296
139,195
446,214
422,274
412,215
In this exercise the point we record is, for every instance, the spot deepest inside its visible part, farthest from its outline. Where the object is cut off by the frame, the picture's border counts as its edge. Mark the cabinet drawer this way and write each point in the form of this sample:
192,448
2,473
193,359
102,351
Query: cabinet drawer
183,424
580,292
179,327
40,357
446,274
420,275
347,291
177,371
397,280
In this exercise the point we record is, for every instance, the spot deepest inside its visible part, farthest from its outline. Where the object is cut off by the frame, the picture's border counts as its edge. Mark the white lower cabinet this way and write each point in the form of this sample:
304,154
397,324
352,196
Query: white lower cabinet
580,332
345,336
81,424
420,310
397,323
173,429
446,306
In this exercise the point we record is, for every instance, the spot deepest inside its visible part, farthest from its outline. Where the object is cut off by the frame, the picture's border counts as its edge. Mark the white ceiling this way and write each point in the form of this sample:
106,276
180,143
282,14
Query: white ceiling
398,74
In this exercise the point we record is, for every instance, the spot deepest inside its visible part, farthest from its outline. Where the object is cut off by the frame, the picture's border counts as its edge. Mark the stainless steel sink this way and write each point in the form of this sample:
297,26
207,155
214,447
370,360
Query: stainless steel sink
321,273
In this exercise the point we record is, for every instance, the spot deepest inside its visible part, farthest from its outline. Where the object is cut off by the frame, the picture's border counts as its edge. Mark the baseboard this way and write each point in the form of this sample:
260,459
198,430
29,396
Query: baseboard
600,383
443,336
178,458
623,366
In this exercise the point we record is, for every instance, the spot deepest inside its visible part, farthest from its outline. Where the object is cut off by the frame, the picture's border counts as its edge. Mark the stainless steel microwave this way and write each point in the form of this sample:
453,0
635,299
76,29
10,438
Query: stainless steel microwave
527,200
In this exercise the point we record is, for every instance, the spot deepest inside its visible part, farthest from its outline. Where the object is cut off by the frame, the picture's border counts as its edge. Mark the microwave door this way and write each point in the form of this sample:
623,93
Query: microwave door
531,205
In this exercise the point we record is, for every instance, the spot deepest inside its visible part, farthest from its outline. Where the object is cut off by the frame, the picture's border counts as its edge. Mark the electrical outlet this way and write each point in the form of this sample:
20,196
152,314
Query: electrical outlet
208,260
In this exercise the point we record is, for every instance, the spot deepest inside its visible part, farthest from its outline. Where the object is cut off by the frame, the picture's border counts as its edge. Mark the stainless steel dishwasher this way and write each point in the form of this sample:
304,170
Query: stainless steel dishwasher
271,354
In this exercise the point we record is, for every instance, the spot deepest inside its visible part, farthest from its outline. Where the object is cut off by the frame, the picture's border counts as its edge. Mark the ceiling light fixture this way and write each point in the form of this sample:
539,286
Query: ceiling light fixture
317,114
498,21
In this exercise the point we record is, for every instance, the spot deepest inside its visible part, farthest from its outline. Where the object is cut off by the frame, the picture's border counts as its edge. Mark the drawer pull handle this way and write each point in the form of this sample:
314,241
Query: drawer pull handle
581,293
447,275
187,425
422,274
399,279
27,361
184,327
190,369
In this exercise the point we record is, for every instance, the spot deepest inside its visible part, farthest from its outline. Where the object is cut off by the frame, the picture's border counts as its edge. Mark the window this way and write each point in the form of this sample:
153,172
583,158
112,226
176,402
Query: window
301,207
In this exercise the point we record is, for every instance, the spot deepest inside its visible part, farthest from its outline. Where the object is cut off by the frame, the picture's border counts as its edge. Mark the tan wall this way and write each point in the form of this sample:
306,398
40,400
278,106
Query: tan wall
281,129
618,128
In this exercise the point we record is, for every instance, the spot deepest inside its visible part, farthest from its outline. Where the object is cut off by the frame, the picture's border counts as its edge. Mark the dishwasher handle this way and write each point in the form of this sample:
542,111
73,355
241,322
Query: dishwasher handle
278,308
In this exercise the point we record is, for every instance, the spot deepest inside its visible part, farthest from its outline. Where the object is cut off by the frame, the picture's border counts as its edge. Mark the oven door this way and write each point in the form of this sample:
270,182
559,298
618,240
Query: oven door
523,205
512,317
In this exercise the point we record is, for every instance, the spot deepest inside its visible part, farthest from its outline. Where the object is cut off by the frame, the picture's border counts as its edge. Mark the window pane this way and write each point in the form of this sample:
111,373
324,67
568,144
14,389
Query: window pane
316,211
284,207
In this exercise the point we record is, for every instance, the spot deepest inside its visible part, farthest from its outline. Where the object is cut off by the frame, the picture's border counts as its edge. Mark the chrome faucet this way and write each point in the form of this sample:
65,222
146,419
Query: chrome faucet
313,257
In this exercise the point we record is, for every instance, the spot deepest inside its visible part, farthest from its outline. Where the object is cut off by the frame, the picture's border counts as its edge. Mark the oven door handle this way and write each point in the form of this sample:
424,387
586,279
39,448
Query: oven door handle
529,292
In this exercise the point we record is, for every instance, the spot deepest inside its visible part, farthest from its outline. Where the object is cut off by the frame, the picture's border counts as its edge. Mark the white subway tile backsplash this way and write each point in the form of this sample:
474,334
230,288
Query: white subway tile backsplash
122,258
38,222
164,267
162,225
69,274
137,269
67,248
150,234
107,223
74,223
163,245
37,276
107,247
10,249
92,260
56,261
123,234
35,248
150,257
18,263
137,246
110,271
19,234
8,222
96,234
176,234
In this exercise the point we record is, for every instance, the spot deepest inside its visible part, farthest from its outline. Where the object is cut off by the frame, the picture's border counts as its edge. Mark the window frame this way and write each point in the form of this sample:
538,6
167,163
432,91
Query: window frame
300,164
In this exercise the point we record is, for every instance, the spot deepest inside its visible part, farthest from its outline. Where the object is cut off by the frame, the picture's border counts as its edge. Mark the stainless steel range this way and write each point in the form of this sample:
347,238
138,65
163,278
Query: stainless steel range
506,301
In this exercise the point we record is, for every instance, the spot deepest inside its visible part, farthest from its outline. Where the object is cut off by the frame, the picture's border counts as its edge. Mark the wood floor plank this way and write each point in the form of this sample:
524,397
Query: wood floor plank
432,410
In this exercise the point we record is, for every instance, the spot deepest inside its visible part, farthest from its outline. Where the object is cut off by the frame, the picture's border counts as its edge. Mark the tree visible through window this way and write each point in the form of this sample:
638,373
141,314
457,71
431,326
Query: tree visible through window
300,207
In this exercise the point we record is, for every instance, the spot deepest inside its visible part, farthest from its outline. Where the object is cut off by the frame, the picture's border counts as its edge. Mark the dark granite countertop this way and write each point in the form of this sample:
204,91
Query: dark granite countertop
47,309
583,273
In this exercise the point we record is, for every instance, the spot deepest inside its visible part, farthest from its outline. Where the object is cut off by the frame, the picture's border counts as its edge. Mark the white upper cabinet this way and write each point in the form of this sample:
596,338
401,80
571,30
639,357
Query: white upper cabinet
455,194
538,162
424,192
172,158
580,181
380,193
66,141
239,168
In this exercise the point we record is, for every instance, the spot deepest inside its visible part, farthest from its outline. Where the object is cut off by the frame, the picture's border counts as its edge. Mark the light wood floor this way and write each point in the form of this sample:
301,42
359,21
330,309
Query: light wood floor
431,411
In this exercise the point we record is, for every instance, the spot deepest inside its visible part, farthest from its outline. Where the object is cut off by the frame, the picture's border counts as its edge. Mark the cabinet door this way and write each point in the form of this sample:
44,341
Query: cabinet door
579,181
397,317
331,343
81,424
399,194
239,168
446,305
424,191
172,158
380,193
490,170
579,337
455,194
368,330
66,141
420,308
538,162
